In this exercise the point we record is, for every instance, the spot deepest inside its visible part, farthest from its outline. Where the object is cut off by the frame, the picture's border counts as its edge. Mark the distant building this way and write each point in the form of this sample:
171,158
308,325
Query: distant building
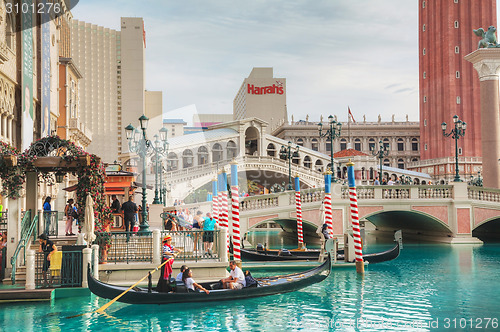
402,139
262,96
175,127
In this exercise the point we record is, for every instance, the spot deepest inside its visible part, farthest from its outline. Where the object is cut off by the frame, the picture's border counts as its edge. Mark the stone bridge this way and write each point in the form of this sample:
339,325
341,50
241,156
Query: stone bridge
455,213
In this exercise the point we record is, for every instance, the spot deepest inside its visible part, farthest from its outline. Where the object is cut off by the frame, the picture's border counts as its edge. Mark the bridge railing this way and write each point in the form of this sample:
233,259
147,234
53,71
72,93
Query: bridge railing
259,202
483,194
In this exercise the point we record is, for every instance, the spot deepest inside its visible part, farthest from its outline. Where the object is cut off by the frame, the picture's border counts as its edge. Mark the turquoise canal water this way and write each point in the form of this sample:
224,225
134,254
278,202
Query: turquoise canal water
429,287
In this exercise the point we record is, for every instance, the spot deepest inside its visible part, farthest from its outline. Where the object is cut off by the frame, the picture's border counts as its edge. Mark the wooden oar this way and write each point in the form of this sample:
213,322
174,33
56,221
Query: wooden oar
104,307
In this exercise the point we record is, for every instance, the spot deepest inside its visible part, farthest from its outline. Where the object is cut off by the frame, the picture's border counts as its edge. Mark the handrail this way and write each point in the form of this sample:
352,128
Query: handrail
26,233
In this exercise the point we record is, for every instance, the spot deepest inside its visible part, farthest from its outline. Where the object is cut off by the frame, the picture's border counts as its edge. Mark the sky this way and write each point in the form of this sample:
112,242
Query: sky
333,53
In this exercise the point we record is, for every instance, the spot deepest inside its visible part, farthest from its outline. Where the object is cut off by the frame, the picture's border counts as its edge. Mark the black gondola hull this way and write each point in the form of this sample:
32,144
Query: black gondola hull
267,286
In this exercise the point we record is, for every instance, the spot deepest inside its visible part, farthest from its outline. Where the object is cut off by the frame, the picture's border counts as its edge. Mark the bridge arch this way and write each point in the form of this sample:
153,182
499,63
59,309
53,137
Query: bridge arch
487,229
252,141
408,220
232,150
187,158
217,152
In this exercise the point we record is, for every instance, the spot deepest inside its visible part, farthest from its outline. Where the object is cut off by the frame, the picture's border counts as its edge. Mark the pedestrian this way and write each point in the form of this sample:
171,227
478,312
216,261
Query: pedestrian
236,279
176,203
187,279
197,228
168,252
47,209
376,182
115,205
208,234
47,247
68,212
129,210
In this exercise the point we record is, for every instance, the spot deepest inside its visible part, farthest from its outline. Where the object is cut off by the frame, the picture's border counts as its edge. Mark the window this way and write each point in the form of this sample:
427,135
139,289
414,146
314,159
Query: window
423,27
271,150
425,75
328,147
456,24
401,144
386,144
314,145
458,100
425,99
460,151
425,122
387,162
455,1
343,144
414,144
425,146
423,4
401,163
457,49
307,162
357,144
457,74
423,51
300,141
371,144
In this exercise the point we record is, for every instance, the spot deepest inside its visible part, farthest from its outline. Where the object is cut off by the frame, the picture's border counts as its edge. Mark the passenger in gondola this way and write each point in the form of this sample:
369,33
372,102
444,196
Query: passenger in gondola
179,276
187,279
324,231
167,254
236,279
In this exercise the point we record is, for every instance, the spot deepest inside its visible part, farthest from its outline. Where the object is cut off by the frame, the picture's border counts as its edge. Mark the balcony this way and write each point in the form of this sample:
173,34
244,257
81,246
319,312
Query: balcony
78,132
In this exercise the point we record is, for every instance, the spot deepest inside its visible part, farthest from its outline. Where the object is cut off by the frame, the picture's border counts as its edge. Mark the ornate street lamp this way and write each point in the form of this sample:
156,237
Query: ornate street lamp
142,146
478,182
380,154
331,133
160,148
455,133
287,153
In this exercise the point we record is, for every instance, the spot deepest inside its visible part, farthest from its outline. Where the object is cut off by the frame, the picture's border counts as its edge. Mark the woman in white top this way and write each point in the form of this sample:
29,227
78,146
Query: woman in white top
187,278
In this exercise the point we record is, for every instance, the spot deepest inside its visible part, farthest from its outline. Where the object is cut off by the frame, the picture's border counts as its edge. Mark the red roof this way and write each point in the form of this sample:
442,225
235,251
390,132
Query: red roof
348,153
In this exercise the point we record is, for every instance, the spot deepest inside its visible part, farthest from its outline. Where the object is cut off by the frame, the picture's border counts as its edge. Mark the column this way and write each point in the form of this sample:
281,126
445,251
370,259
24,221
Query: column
487,63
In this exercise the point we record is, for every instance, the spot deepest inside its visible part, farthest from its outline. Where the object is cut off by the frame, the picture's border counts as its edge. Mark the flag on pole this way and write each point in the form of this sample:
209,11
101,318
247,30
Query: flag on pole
350,114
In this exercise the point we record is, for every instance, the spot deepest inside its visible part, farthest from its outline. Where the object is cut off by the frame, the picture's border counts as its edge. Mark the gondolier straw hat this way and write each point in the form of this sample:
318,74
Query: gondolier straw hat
166,238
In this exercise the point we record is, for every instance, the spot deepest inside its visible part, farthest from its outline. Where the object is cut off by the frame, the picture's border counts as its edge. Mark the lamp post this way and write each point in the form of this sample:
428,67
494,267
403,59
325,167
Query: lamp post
331,133
287,153
380,154
142,146
478,182
455,133
159,149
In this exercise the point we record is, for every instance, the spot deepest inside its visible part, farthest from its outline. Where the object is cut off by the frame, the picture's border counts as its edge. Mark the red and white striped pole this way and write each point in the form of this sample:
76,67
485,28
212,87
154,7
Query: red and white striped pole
225,207
235,212
328,203
219,199
215,201
358,245
298,206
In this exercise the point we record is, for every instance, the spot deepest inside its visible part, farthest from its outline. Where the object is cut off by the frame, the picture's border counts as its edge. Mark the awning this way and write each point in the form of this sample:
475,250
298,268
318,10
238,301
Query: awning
70,188
118,185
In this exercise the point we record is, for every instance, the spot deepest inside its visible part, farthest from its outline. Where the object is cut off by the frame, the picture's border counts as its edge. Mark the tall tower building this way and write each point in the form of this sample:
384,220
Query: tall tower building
448,84
262,96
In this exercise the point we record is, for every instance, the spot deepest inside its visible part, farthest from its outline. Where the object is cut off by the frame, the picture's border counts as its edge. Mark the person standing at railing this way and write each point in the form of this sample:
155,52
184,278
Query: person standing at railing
208,234
129,210
197,228
47,209
68,212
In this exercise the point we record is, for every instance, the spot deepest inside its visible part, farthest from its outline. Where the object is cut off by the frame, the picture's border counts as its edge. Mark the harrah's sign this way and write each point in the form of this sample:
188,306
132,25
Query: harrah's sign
265,90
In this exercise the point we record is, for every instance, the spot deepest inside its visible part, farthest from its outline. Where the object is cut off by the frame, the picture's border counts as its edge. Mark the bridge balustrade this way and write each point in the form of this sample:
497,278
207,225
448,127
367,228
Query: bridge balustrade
258,202
483,194
445,191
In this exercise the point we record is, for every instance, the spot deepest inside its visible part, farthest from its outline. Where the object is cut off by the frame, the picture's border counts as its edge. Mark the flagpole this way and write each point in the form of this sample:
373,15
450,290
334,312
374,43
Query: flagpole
348,129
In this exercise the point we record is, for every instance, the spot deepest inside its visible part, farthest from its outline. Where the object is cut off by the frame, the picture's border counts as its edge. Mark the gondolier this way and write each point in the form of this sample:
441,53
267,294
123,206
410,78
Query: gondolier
168,252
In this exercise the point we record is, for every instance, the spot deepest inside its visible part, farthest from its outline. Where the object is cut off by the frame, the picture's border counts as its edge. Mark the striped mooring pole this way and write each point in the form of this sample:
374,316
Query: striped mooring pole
328,202
235,212
298,207
358,246
215,201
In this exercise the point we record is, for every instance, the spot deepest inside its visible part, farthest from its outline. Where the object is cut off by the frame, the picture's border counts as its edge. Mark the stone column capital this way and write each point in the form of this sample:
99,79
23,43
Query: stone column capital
487,63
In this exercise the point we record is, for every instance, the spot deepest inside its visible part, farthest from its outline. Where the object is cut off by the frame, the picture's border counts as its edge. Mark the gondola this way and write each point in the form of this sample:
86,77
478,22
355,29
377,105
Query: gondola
266,286
291,255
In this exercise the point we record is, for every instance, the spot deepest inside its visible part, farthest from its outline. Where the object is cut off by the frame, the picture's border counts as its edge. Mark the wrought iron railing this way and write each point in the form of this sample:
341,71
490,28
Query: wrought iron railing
28,228
3,262
125,247
63,270
3,221
195,245
50,221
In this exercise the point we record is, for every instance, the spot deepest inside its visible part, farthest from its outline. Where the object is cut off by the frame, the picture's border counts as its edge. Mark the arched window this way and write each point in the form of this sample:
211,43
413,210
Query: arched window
202,155
414,144
413,160
172,162
296,158
387,162
187,159
343,144
401,163
307,162
372,173
387,146
314,145
300,141
357,144
232,150
217,152
271,150
328,147
363,173
401,144
371,144
319,165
